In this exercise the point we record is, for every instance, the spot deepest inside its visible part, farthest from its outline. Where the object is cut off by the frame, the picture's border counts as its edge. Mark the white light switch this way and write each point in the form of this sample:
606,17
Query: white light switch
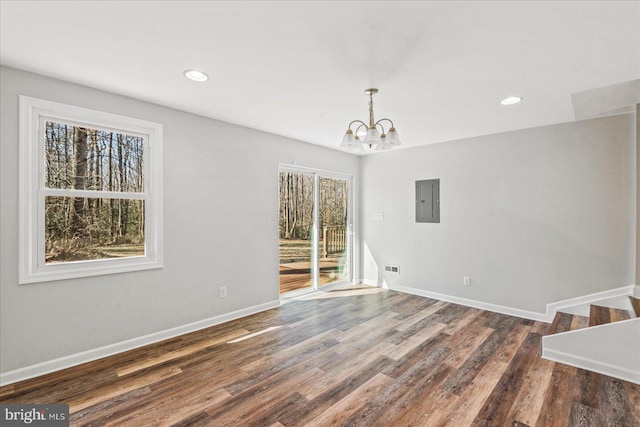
378,216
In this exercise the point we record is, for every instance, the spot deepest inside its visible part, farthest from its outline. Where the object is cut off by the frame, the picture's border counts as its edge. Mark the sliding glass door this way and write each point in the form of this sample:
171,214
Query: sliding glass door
314,229
296,230
333,229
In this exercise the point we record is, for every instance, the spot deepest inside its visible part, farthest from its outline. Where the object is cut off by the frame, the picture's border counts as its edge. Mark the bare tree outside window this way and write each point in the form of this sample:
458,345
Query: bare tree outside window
82,228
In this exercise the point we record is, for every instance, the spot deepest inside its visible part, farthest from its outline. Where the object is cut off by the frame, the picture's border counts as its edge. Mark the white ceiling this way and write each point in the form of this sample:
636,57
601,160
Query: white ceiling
299,69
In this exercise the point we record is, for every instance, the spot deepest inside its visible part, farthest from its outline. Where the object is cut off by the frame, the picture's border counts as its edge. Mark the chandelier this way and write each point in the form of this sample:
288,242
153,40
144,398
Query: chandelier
374,138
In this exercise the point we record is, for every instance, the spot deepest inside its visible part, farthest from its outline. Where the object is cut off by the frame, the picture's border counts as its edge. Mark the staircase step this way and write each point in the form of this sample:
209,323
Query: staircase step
610,349
635,302
564,322
579,322
599,315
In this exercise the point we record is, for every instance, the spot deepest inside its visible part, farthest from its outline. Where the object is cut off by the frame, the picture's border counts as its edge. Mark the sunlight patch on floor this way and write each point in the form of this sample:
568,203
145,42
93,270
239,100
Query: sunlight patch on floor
347,291
255,334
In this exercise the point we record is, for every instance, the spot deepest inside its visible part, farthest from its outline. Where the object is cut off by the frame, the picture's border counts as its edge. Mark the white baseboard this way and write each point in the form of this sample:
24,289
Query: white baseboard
591,365
554,307
47,367
532,315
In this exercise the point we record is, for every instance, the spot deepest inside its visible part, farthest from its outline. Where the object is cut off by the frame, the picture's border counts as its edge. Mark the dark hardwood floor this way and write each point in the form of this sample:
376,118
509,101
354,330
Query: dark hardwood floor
367,357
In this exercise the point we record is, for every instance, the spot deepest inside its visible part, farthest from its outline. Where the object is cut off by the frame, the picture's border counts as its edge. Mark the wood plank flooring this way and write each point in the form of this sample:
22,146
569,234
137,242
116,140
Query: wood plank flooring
635,302
297,275
602,315
352,357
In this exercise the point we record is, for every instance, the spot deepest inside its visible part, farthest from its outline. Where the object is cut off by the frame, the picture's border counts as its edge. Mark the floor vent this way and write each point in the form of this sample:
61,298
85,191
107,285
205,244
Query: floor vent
392,268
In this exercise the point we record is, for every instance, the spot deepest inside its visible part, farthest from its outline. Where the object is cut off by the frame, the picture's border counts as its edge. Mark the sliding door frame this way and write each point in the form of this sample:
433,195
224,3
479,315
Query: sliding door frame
315,232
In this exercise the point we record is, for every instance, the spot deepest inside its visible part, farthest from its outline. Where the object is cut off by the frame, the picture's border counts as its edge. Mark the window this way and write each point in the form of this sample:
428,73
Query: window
90,192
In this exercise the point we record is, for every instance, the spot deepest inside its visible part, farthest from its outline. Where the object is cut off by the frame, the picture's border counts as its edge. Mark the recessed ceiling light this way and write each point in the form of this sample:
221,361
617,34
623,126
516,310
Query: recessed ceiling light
511,100
196,75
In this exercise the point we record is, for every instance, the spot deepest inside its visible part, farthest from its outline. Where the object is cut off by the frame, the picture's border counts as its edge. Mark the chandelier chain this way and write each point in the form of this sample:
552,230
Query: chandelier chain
371,119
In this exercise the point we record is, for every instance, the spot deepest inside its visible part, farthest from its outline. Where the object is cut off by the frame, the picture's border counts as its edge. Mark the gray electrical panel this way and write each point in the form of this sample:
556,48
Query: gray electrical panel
428,200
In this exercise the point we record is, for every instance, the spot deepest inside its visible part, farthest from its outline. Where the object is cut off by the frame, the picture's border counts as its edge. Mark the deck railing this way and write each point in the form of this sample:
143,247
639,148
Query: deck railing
333,240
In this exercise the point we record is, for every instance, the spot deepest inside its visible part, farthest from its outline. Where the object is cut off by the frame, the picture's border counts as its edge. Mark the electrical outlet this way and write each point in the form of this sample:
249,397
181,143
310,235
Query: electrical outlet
467,281
222,292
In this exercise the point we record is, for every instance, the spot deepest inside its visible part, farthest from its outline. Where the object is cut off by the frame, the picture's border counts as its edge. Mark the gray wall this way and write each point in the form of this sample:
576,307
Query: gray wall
220,229
532,216
637,195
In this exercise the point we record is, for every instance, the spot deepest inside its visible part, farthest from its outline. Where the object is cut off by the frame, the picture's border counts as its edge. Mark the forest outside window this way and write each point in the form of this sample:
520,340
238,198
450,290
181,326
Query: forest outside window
90,192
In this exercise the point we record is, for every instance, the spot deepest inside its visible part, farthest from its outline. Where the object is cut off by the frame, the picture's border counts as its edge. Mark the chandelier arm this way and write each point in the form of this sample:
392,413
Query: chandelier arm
382,127
383,120
357,121
361,125
382,132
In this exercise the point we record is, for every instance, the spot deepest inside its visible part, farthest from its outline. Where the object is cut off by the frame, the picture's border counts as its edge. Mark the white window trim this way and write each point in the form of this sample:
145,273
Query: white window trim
32,267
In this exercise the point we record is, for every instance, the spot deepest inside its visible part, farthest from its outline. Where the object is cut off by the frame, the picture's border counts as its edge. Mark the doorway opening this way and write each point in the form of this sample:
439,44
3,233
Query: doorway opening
314,229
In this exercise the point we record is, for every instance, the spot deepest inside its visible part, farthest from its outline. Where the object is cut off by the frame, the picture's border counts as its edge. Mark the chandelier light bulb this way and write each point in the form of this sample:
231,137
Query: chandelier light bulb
349,139
357,145
392,137
373,137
